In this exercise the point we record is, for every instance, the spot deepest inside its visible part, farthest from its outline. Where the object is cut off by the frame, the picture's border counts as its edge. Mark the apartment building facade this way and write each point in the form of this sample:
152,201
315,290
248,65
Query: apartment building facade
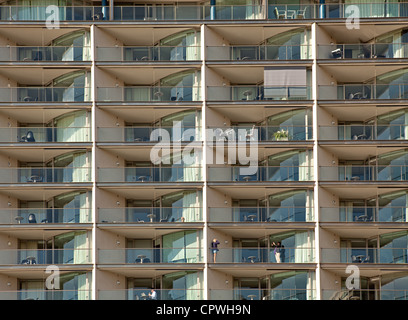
92,94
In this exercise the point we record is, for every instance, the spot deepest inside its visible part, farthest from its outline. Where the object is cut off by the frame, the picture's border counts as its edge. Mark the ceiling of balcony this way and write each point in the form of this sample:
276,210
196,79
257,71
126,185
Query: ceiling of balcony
340,34
32,36
135,35
245,35
35,193
33,115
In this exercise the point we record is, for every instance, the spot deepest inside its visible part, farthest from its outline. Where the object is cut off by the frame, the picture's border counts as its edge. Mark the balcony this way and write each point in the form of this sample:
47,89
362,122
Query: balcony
143,294
365,255
257,214
364,132
45,134
262,294
45,215
43,294
263,256
264,133
45,94
148,54
45,257
149,94
45,175
258,53
363,51
146,134
150,174
257,93
152,215
365,294
44,54
364,214
263,174
365,173
363,92
141,256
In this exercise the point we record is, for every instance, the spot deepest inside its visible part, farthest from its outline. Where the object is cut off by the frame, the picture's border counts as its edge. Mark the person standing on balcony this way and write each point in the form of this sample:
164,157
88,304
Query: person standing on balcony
153,295
279,251
214,248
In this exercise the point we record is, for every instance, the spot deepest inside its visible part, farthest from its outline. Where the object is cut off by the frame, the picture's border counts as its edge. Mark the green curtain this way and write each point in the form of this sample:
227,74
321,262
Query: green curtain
73,127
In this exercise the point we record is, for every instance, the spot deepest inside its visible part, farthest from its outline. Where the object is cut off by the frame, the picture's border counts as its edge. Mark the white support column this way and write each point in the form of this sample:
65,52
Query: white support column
315,159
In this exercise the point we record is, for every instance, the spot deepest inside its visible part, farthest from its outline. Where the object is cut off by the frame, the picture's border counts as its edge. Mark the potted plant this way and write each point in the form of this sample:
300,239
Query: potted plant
281,135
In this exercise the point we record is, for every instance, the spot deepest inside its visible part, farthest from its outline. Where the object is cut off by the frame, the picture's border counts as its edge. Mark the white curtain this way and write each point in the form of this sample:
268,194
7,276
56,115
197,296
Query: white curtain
82,287
191,171
192,251
190,207
310,286
73,127
80,248
305,161
367,8
80,172
302,248
191,48
84,208
192,286
406,207
309,206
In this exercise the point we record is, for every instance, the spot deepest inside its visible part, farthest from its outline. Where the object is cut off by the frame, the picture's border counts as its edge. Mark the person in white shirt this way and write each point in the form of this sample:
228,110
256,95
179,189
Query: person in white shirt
153,295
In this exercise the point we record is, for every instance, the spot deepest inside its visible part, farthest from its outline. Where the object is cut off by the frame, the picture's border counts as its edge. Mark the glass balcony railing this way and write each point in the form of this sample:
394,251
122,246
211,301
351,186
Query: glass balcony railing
365,255
257,214
263,133
263,294
188,12
45,175
148,134
45,294
271,173
161,12
257,93
365,294
45,215
365,173
364,132
45,134
45,94
364,214
149,94
143,294
155,215
157,53
150,174
150,255
363,51
259,53
45,256
264,255
44,54
363,92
